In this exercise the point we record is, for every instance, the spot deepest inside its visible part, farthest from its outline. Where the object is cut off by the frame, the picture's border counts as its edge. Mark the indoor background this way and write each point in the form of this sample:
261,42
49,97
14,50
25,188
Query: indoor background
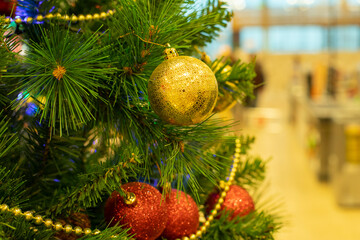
306,118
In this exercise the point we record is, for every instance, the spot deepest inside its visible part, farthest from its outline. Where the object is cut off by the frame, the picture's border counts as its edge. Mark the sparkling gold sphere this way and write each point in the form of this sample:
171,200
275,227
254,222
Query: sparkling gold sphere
183,90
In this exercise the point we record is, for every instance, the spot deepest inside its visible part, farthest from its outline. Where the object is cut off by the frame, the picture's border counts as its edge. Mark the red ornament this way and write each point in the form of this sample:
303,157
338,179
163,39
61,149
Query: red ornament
237,200
183,216
146,218
7,7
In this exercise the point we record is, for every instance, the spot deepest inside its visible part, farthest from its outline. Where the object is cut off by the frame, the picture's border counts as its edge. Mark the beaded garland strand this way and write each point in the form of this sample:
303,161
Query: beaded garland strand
225,186
130,198
58,16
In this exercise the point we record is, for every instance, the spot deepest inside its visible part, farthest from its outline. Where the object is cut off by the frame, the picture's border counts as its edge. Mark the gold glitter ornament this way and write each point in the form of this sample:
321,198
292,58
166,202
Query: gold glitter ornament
182,90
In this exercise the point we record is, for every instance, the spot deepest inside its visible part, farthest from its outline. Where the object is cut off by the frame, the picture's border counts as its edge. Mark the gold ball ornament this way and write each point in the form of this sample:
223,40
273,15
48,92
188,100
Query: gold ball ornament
182,90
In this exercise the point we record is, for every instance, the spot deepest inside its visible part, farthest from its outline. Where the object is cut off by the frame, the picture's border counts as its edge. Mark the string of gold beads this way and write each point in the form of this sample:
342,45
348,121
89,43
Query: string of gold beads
59,16
57,226
225,186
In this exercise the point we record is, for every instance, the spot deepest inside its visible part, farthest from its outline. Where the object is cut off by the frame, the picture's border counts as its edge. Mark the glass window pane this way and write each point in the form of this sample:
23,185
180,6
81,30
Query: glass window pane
251,39
344,38
288,39
252,4
353,2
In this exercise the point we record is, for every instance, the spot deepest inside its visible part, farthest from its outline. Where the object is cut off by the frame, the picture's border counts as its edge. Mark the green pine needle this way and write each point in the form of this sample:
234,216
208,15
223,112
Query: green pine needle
69,95
6,140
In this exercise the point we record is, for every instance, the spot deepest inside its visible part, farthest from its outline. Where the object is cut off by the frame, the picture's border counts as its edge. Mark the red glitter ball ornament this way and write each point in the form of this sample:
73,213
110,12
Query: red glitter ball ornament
183,216
7,7
146,218
237,200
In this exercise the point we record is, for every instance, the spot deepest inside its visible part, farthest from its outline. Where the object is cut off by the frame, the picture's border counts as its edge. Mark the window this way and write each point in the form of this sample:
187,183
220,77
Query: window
295,38
346,38
290,39
251,39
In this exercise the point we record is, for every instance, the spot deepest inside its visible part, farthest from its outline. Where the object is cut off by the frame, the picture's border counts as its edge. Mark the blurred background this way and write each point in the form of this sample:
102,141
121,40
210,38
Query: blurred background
306,117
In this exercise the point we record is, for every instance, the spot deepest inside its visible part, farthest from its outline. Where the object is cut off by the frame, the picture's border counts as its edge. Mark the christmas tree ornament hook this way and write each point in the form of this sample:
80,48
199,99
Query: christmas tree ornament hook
130,198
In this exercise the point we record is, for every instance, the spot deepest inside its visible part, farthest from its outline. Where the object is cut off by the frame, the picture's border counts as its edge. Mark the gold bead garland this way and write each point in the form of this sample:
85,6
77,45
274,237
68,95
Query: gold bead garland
225,186
59,16
47,222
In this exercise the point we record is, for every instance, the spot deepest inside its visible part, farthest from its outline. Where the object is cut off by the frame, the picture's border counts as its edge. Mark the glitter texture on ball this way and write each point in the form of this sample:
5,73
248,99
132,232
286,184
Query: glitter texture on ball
183,216
183,91
238,201
146,218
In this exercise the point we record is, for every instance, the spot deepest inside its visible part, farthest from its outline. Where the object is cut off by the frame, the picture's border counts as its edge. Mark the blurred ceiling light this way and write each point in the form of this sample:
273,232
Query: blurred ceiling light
309,2
304,8
293,2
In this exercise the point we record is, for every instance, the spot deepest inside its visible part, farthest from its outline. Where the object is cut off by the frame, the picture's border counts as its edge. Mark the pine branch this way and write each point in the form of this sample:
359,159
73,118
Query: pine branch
215,15
93,186
223,152
6,140
18,228
8,43
179,152
14,193
90,6
67,69
254,226
251,171
160,23
12,190
58,169
235,81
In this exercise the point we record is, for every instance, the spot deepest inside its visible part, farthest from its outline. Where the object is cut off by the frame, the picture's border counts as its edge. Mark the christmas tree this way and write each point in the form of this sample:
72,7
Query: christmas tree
104,136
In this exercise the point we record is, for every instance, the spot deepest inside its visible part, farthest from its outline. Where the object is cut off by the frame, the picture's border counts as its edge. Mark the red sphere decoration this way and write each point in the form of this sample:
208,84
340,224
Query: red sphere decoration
237,200
7,7
146,218
183,216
